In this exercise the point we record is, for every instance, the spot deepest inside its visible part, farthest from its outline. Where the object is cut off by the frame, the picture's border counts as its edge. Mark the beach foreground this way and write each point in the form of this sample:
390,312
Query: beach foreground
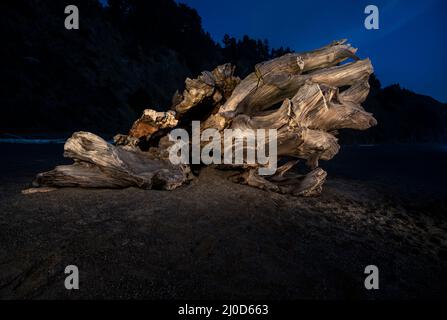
214,239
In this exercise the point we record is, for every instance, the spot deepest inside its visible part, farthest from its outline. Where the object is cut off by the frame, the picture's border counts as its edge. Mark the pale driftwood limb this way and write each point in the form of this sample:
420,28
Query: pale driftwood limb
251,178
319,107
38,190
277,71
318,95
84,175
215,85
307,185
357,93
297,185
151,122
98,164
311,108
284,169
304,123
275,90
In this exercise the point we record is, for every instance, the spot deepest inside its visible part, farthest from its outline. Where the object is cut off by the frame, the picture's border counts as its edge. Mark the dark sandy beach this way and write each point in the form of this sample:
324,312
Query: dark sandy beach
214,239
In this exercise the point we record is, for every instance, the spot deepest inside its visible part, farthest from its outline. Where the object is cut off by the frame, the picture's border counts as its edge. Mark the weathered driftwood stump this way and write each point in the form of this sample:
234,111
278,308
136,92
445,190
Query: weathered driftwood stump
306,97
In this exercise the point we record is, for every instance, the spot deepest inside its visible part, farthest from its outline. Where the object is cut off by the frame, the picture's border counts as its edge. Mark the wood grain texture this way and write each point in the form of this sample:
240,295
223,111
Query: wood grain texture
307,97
99,164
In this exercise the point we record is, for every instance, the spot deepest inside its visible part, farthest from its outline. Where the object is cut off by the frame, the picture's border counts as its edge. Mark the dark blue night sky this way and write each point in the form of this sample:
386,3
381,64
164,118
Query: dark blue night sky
410,47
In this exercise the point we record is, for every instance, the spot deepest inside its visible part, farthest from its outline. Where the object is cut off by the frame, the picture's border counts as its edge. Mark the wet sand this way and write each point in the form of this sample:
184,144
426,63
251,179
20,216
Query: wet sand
213,239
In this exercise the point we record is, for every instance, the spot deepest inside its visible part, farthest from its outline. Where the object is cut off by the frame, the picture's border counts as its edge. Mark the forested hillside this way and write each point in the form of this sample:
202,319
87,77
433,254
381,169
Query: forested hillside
134,54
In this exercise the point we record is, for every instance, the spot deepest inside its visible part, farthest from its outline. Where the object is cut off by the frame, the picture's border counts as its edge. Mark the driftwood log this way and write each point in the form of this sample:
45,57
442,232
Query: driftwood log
307,97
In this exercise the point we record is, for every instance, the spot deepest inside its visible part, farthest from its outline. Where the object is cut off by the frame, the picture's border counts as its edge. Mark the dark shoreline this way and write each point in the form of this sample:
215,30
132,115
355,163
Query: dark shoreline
215,239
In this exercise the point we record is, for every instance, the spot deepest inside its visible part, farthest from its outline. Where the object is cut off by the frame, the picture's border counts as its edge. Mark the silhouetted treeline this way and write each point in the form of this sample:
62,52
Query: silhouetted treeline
164,23
247,52
167,24
402,115
128,56
134,54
